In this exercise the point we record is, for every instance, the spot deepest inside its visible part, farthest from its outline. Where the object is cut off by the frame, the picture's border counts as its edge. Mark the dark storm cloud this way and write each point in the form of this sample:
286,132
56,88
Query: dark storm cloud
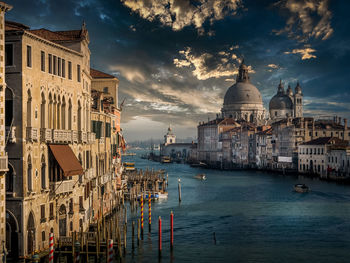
176,61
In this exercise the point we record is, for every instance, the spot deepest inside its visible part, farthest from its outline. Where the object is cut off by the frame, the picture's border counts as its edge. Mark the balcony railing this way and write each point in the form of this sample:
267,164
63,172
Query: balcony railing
75,136
11,134
62,187
32,134
82,137
45,135
3,163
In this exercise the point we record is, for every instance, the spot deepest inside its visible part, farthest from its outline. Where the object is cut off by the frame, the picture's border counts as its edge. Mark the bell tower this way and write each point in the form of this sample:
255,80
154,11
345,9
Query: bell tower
298,101
169,138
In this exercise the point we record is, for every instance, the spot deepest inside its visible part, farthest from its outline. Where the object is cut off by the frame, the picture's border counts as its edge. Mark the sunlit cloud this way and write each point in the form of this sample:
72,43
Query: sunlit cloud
306,53
179,14
307,19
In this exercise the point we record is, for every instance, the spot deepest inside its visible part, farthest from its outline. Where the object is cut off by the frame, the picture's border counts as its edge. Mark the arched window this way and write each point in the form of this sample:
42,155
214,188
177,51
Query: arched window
69,115
42,111
79,116
30,234
50,125
29,174
81,162
43,172
63,114
8,107
58,113
54,114
9,178
29,109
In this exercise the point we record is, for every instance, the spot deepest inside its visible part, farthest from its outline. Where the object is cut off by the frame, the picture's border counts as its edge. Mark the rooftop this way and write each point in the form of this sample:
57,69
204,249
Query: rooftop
327,141
96,74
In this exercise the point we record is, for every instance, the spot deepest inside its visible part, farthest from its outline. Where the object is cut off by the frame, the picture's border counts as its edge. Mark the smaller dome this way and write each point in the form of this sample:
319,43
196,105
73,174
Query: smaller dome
281,102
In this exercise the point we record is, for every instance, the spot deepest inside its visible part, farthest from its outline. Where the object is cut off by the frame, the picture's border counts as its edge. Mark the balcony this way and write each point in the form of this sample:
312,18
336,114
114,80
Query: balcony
32,134
91,137
11,134
82,137
75,136
45,135
3,163
63,187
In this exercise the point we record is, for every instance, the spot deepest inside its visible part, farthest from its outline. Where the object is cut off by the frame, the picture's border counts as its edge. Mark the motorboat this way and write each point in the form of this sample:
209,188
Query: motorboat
301,188
200,177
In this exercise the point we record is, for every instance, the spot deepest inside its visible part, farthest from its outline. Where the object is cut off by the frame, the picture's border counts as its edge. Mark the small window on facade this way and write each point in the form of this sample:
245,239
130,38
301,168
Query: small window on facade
59,66
9,55
51,211
78,73
29,56
42,209
54,65
81,205
43,236
69,70
105,90
42,61
63,68
50,63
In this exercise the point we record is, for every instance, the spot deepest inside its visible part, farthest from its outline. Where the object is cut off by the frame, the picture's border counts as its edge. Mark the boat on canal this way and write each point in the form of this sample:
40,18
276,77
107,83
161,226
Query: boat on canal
301,188
200,176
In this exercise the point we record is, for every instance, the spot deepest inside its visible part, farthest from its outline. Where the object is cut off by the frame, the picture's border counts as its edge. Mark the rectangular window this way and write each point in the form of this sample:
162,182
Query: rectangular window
51,211
69,70
108,130
42,209
71,206
9,55
63,68
42,61
59,66
50,63
54,65
29,56
78,73
81,204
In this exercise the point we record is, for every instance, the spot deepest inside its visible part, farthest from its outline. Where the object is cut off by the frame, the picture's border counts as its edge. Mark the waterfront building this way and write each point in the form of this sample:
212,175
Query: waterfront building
209,148
263,144
179,152
3,136
243,100
105,122
323,155
286,104
50,141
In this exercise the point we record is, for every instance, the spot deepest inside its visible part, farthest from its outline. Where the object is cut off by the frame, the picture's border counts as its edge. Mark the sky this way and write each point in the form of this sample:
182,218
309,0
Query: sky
175,59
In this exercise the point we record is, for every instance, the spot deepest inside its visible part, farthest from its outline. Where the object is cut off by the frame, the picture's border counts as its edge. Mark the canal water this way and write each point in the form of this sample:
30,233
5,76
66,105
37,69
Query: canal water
256,217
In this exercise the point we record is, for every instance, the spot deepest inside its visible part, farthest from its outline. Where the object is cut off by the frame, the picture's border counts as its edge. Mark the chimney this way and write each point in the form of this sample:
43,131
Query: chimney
339,120
306,129
313,128
345,128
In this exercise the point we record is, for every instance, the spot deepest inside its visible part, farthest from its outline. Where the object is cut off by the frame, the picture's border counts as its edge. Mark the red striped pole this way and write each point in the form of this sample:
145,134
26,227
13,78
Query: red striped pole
160,234
142,215
110,250
149,212
171,230
51,248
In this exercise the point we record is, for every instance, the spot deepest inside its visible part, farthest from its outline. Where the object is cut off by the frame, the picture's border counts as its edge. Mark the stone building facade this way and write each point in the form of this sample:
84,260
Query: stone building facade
49,113
3,136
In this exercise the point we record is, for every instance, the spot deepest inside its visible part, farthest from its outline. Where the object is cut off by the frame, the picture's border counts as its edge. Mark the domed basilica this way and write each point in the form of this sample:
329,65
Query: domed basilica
243,101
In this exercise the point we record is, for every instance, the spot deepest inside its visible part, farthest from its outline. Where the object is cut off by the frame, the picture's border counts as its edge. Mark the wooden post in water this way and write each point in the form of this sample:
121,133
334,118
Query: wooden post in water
171,230
133,235
138,232
124,237
179,188
142,215
110,251
160,236
149,212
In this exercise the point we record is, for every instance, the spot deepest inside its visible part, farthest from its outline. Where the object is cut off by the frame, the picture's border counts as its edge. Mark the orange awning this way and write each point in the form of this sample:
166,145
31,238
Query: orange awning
67,160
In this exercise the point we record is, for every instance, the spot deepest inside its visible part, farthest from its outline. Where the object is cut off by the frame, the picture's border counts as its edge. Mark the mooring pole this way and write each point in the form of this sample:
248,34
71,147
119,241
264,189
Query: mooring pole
51,248
179,188
171,230
141,215
160,235
149,212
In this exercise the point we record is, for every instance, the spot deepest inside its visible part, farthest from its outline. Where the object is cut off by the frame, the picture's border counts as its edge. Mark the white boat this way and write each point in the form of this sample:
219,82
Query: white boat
200,177
301,188
163,195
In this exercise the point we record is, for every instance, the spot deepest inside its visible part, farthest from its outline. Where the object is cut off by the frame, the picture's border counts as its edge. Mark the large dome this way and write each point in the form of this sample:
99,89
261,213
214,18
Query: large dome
281,102
242,93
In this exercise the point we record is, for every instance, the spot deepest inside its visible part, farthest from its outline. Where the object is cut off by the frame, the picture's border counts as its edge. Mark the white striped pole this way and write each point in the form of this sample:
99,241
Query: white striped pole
110,250
51,248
